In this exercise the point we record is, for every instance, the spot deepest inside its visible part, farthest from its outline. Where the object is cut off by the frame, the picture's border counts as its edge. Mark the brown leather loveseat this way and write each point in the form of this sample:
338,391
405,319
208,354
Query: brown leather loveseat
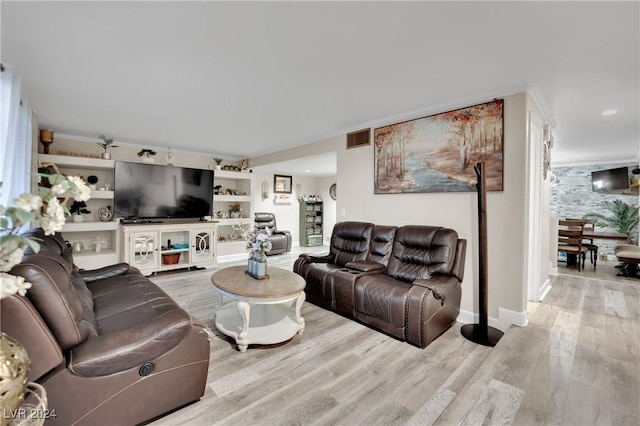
404,281
108,345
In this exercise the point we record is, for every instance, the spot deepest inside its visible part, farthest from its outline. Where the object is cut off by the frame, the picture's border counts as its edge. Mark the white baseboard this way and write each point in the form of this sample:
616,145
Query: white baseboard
232,257
468,317
505,319
509,317
544,290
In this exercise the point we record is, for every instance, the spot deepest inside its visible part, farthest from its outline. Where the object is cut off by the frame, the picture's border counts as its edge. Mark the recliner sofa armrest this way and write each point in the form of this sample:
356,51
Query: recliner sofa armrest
287,235
305,258
365,266
119,351
441,285
327,258
100,274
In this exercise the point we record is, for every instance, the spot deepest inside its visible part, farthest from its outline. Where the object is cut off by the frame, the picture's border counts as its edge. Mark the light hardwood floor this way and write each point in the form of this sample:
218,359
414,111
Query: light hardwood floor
576,363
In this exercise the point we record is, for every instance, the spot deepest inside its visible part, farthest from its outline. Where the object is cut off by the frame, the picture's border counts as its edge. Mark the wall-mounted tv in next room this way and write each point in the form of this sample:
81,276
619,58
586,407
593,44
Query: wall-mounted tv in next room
609,180
150,191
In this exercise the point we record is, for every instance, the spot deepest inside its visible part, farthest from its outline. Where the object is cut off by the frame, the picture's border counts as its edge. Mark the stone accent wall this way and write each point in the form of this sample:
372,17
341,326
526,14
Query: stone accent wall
572,196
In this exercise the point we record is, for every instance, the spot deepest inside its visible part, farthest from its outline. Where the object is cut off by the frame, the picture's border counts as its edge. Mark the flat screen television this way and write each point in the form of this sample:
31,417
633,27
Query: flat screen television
610,180
152,191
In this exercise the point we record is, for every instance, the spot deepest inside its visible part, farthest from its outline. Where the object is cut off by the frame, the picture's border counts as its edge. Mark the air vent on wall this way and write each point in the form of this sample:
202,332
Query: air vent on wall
358,139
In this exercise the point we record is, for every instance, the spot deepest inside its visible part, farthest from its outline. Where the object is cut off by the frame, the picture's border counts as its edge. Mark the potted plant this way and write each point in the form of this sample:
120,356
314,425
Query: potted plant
623,218
218,161
106,145
146,155
92,180
77,209
234,210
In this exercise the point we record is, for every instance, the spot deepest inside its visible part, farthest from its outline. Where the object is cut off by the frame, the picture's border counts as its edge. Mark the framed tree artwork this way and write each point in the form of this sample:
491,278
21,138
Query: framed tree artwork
437,153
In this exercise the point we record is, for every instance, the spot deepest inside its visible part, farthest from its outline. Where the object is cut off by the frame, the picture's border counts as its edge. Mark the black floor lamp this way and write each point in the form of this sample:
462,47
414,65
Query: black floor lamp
481,333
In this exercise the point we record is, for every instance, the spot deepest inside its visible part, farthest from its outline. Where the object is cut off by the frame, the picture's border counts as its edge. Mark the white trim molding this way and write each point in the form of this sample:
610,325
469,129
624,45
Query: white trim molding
546,287
536,96
232,257
506,318
509,317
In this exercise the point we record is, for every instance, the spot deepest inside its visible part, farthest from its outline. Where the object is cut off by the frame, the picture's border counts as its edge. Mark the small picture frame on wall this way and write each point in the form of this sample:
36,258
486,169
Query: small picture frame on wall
282,184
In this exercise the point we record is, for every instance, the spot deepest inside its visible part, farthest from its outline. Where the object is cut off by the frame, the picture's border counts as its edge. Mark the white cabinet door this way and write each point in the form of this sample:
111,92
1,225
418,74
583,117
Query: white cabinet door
143,250
203,244
165,247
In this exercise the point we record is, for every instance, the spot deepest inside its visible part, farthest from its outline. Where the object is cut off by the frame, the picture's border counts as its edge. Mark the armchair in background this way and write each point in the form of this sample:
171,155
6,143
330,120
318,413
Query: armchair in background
280,239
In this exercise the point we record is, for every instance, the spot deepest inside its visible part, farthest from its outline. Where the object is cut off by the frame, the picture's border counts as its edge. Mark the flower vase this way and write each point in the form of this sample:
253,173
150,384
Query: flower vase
261,265
14,363
251,264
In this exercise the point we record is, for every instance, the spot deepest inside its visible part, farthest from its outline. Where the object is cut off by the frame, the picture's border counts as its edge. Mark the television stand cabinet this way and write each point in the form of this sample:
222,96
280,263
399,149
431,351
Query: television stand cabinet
166,246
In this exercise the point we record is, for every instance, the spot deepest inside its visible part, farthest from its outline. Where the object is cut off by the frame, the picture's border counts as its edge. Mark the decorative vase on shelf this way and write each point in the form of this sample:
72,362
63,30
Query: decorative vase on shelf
14,363
106,155
77,218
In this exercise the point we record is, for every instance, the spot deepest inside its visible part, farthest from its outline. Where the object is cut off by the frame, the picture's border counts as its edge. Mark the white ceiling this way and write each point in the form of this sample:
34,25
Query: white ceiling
314,166
244,79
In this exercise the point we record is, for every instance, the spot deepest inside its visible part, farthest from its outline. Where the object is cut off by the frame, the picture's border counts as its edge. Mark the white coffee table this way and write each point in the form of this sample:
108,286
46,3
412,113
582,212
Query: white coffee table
259,311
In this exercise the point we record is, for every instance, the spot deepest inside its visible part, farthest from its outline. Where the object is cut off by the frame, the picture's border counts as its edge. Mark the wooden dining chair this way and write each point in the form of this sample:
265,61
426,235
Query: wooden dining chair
570,236
589,225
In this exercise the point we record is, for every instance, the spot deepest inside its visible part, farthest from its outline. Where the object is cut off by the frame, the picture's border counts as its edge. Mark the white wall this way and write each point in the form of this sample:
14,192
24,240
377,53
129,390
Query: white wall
329,216
505,210
505,213
538,281
288,215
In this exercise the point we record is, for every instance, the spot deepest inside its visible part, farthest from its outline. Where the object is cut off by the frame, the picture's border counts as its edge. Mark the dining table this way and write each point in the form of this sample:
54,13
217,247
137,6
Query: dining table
600,235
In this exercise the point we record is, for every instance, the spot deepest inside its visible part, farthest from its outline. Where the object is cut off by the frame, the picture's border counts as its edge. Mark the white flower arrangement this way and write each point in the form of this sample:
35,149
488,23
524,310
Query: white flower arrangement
258,240
47,210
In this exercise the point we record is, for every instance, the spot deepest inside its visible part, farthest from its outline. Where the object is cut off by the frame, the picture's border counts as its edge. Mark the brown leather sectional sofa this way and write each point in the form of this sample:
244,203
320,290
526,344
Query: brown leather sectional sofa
404,281
109,346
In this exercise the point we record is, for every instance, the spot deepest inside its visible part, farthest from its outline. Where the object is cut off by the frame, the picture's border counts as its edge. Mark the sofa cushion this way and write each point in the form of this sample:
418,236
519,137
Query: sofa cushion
381,244
422,251
265,220
84,296
382,297
138,342
350,242
62,301
123,301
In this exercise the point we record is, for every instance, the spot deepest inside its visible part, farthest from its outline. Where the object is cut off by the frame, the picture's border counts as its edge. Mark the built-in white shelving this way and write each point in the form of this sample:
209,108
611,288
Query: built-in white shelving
229,227
101,240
